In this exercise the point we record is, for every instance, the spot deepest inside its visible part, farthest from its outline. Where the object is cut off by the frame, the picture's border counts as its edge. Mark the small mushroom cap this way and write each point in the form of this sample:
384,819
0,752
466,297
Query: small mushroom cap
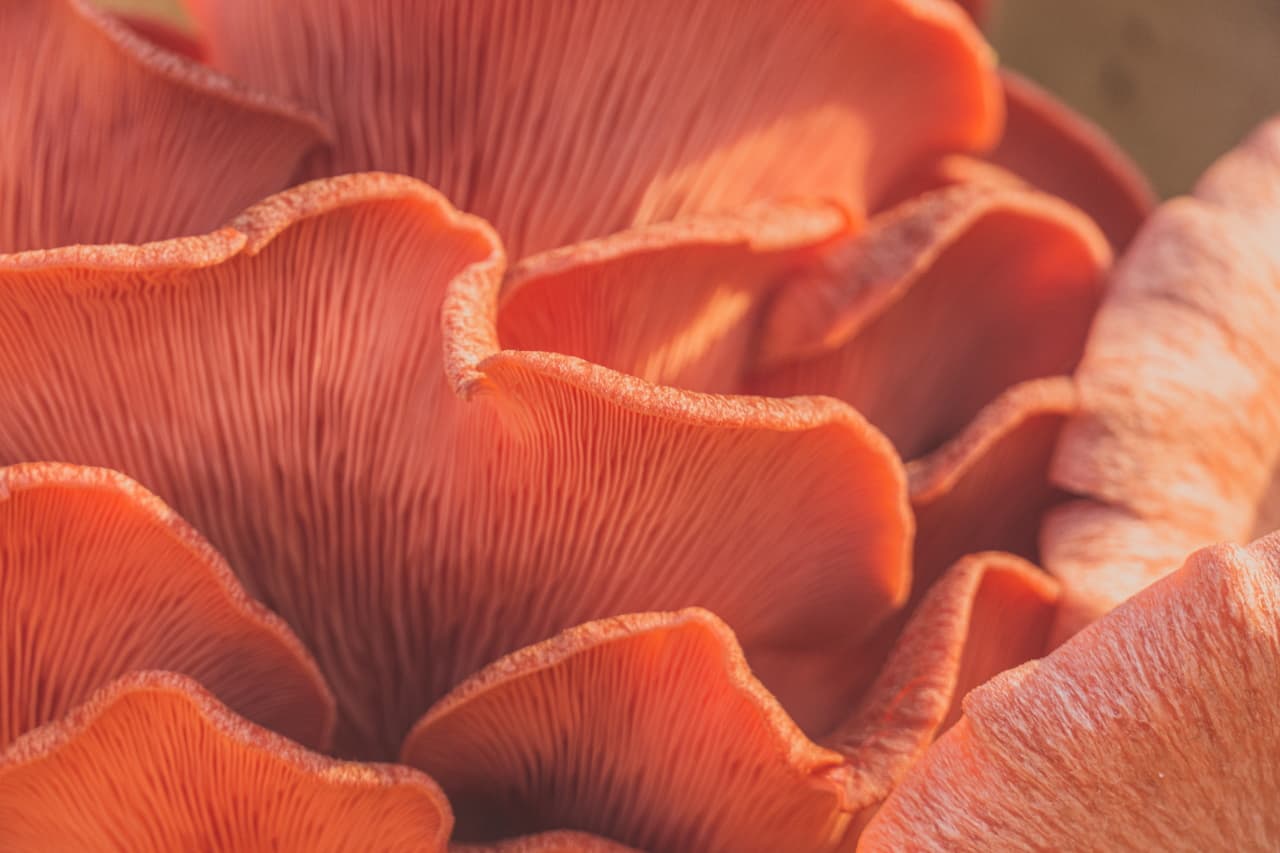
677,303
988,612
1061,152
936,308
990,487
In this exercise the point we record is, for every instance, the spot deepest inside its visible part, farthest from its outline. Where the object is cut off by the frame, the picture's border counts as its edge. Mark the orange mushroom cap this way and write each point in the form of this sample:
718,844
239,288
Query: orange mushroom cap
316,335
651,730
154,763
1061,152
677,303
1153,729
938,307
951,322
99,578
108,138
990,487
1046,145
425,460
560,124
647,728
987,613
1178,438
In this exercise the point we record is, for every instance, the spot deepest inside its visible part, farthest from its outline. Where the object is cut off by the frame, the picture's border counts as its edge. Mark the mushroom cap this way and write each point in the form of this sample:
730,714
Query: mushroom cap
315,337
651,730
1152,729
1176,444
112,139
561,124
153,763
99,578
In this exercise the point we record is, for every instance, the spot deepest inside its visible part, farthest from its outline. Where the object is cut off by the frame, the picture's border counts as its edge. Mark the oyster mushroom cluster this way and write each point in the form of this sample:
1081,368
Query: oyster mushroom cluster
591,425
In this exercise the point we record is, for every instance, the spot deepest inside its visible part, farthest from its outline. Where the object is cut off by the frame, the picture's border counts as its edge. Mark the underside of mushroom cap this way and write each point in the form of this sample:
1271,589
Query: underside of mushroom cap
99,578
561,123
312,341
109,138
646,728
651,730
936,308
153,763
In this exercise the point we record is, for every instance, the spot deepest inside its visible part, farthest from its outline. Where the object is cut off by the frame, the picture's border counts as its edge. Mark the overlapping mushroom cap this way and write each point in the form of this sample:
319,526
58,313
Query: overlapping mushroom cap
593,508
1178,442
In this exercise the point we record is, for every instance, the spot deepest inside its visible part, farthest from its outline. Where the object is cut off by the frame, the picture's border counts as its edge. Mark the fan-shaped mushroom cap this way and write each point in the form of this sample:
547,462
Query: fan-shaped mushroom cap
676,303
647,728
108,138
989,487
650,729
1153,729
989,612
312,343
564,123
99,578
152,763
1178,438
938,307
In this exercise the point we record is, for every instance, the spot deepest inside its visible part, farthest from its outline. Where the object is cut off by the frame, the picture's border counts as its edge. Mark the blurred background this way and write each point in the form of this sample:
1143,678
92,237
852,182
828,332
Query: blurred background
1175,82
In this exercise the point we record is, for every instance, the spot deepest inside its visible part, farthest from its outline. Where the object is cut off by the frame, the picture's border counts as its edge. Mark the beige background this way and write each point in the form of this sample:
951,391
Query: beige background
1175,81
